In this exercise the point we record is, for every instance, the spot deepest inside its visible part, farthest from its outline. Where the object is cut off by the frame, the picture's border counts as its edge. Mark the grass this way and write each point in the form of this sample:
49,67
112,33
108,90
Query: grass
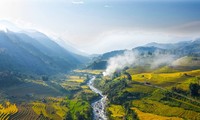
84,87
116,111
155,100
76,79
169,80
95,72
149,116
158,108
52,108
139,88
187,61
60,110
40,82
7,110
72,83
39,108
79,108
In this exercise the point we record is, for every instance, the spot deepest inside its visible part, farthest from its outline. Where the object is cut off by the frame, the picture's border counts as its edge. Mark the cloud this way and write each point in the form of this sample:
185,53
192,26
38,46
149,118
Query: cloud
107,6
78,2
134,58
119,62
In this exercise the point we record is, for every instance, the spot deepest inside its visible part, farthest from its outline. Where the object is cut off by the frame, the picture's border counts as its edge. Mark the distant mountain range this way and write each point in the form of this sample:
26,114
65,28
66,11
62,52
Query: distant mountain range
34,52
180,49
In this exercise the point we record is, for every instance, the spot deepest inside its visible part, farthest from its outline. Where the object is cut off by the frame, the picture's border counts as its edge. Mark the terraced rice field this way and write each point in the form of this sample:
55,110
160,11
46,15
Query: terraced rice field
50,110
7,110
148,116
161,109
117,111
169,80
25,112
95,72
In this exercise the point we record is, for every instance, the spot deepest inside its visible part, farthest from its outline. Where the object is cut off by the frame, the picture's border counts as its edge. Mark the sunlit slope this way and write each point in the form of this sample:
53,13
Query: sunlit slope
169,80
149,116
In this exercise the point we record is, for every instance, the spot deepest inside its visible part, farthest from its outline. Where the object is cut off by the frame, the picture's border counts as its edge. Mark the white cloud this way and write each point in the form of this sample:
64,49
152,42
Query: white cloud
78,2
107,6
133,58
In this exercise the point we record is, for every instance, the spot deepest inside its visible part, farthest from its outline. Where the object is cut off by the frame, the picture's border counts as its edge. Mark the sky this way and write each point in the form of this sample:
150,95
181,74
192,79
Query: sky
98,26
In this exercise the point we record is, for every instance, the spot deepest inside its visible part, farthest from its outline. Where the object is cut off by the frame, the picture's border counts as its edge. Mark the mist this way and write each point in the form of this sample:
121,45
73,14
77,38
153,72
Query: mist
134,58
120,61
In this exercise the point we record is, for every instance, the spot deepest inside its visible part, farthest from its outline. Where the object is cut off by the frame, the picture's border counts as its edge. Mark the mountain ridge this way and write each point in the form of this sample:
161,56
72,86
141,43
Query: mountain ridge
37,55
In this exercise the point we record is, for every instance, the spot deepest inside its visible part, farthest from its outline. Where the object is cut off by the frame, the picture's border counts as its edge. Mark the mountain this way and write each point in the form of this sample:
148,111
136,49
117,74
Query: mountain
100,61
168,45
181,48
177,50
68,46
34,52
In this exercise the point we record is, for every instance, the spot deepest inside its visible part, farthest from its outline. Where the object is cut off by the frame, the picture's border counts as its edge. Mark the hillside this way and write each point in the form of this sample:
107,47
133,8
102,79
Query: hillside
154,95
152,50
35,53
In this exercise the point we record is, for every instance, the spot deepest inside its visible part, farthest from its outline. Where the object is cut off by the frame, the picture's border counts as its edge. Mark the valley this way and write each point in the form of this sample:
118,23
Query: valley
40,80
134,92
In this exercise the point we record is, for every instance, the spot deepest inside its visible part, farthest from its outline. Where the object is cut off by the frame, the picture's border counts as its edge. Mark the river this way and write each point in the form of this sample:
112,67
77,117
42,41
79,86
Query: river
99,106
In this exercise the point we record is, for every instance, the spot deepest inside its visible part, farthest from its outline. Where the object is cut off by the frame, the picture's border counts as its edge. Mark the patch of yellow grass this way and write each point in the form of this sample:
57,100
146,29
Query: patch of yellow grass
158,108
88,91
40,82
56,99
53,105
85,87
76,79
96,72
60,110
149,116
7,110
39,108
168,80
116,111
140,88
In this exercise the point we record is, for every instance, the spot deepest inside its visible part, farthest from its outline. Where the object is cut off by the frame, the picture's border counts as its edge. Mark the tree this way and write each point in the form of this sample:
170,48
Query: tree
194,89
45,78
128,76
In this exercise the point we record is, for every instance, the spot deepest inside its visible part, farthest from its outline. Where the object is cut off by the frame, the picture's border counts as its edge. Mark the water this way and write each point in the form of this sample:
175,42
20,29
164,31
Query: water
99,105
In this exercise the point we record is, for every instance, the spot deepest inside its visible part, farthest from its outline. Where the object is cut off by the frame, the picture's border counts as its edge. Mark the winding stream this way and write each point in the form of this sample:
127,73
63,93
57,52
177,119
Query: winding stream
98,106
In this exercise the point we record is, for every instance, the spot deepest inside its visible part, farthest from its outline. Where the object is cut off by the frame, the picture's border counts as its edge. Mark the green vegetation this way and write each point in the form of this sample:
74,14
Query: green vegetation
159,94
117,112
149,116
75,106
79,110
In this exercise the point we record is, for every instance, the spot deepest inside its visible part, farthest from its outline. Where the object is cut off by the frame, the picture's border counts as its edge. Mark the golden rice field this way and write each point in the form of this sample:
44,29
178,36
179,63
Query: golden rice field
25,112
84,87
95,72
51,110
140,89
7,110
76,79
161,109
72,82
168,80
117,111
40,82
148,116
